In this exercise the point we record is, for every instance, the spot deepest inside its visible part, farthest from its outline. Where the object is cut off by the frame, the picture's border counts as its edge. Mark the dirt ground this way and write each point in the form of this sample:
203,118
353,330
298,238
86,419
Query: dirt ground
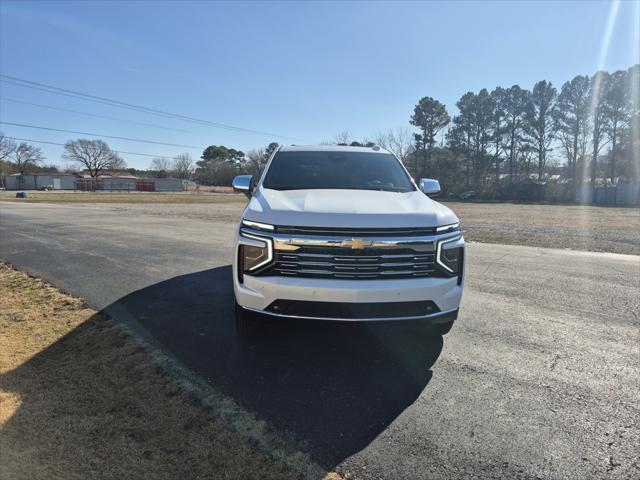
80,399
575,227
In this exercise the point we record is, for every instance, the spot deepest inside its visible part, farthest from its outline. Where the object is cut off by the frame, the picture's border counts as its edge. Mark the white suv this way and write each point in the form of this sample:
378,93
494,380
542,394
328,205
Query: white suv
343,233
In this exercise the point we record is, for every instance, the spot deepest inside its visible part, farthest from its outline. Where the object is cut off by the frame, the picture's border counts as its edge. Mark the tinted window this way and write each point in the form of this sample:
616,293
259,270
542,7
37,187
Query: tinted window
340,170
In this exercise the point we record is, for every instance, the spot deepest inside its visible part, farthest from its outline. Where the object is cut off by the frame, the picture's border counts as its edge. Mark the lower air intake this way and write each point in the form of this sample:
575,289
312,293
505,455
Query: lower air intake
343,310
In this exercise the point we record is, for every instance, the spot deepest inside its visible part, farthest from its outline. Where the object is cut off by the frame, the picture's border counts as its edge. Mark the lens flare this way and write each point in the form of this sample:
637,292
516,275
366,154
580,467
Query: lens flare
597,81
634,88
606,40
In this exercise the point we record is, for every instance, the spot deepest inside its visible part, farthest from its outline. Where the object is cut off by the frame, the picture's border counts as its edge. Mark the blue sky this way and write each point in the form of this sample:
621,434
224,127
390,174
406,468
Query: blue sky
305,70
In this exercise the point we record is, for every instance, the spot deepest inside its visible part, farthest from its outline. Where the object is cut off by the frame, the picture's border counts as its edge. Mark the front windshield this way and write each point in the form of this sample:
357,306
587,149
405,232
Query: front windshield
337,170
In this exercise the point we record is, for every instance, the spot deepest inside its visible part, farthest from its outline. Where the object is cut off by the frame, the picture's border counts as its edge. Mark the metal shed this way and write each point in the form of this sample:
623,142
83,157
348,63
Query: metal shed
35,181
126,184
168,184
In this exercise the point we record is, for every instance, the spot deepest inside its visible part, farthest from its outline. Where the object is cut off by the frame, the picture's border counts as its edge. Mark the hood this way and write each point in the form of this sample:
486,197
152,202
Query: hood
347,208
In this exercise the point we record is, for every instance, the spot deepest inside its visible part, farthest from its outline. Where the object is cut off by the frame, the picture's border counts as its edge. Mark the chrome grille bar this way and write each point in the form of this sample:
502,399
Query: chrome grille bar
344,257
368,265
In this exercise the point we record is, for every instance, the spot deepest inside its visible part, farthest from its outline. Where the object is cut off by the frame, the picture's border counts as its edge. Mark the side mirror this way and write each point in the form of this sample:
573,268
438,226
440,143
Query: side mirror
244,184
430,186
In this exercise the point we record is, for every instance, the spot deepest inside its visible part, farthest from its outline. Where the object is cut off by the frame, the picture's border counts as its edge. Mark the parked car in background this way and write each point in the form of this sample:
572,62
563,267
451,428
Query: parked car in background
343,233
469,195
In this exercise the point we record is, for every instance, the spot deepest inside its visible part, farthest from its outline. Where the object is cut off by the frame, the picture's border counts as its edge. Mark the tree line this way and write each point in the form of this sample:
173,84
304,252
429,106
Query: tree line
91,157
505,141
217,165
499,143
586,133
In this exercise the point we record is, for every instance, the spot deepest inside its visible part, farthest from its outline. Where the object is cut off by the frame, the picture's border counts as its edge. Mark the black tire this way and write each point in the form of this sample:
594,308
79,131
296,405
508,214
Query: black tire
243,322
443,328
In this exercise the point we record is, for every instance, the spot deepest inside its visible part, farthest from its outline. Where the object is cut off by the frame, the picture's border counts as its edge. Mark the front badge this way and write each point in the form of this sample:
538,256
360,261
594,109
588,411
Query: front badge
357,243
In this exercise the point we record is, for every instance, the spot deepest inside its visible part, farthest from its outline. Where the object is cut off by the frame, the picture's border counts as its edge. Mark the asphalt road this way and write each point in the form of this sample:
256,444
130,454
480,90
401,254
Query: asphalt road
538,378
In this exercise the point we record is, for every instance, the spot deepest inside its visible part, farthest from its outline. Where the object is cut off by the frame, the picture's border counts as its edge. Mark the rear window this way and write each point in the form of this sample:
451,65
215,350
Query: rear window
337,170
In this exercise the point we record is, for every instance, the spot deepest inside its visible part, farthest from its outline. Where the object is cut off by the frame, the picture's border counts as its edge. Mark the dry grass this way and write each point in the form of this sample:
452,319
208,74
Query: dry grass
211,188
577,227
80,399
124,197
574,216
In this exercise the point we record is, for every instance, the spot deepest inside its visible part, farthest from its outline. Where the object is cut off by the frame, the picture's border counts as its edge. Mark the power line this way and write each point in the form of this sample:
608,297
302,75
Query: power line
99,135
132,106
51,107
58,93
62,145
117,103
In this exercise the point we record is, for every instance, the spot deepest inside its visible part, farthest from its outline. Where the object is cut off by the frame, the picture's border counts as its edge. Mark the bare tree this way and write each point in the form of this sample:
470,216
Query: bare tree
93,155
400,142
382,139
160,164
26,156
255,161
7,147
118,163
342,138
183,166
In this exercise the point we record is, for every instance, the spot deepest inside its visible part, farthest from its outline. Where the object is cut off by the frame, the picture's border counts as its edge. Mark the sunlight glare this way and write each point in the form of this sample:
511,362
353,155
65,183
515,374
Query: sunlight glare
597,79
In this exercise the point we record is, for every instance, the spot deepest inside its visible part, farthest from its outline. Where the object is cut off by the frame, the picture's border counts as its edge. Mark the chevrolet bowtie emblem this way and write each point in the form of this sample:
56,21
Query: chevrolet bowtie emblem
357,243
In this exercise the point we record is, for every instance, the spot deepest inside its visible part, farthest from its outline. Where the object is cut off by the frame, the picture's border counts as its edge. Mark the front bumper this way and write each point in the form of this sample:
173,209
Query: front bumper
257,293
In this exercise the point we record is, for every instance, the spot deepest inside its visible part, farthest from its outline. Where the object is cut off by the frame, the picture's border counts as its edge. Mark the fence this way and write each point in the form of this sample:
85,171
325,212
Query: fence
112,185
622,194
88,184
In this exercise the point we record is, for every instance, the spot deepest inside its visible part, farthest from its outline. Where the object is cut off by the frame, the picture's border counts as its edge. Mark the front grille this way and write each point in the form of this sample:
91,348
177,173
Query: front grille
336,262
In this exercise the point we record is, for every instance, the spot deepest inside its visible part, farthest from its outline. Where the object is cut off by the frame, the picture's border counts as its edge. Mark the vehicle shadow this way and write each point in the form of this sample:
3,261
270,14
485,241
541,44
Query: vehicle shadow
331,387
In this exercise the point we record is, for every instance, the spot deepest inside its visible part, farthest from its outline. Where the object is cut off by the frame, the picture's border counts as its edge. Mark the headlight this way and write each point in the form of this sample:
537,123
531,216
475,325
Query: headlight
448,228
449,256
253,257
256,254
258,225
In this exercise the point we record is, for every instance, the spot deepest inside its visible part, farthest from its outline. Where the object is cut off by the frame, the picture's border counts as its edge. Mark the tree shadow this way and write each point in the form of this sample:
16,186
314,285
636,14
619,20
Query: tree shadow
331,387
92,404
